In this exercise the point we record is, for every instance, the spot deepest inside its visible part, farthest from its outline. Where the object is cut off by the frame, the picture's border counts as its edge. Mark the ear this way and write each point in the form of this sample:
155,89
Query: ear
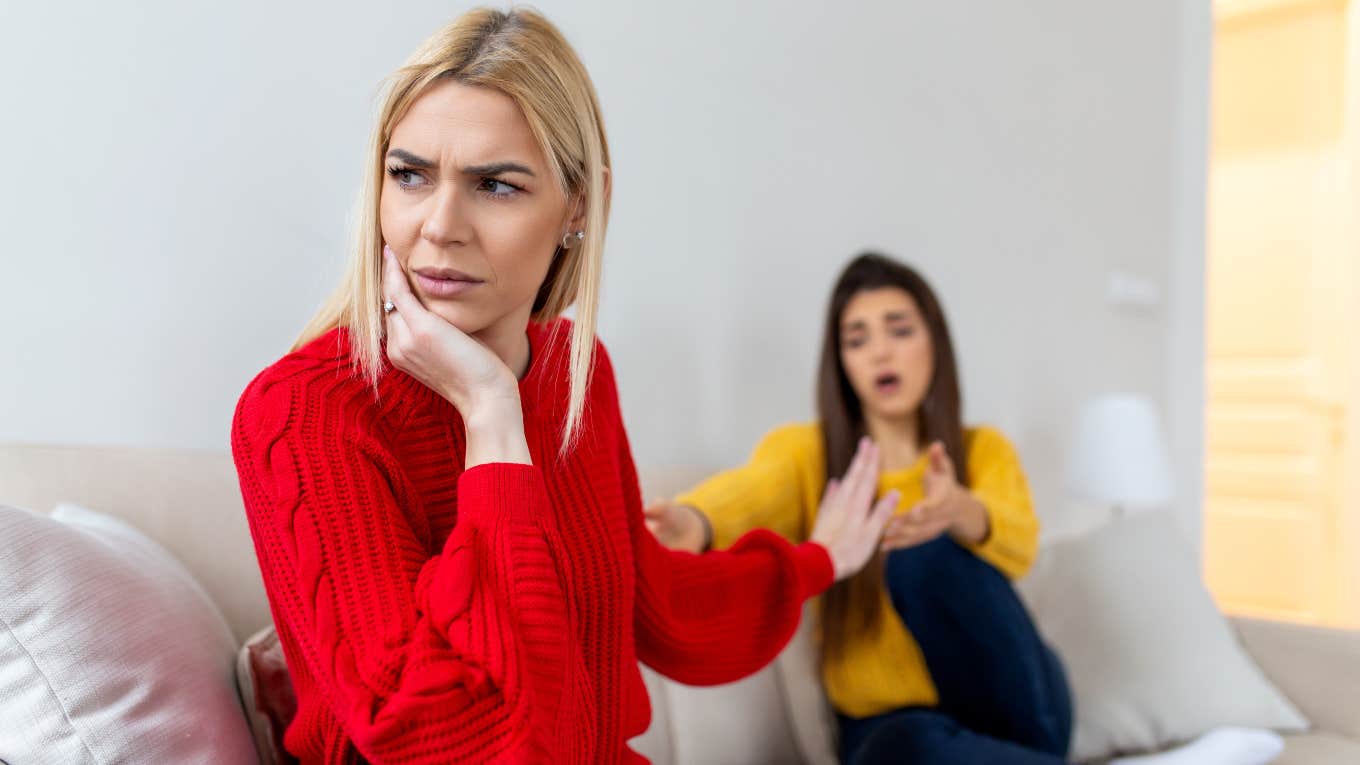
577,221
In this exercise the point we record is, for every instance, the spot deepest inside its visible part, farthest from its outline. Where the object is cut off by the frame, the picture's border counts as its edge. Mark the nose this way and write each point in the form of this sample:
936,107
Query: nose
880,347
446,220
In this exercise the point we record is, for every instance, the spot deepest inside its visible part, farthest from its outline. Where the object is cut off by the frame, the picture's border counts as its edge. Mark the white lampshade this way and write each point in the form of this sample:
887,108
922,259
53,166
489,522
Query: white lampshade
1118,455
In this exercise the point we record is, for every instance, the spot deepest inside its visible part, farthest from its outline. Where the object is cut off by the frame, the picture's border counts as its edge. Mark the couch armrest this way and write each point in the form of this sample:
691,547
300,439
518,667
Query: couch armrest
1318,668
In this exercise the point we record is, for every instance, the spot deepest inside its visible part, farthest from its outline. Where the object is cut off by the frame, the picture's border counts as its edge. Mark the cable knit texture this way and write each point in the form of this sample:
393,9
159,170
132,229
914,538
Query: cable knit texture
434,615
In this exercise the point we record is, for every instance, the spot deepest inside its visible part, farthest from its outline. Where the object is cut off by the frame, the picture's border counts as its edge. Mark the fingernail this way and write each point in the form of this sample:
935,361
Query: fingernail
387,251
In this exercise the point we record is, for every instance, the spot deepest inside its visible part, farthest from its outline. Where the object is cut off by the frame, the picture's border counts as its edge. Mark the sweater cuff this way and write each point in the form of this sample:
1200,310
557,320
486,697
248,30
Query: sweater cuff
497,493
816,571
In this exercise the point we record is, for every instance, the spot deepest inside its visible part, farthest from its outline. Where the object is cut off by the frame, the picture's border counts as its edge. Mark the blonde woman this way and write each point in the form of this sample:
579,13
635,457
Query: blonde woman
438,483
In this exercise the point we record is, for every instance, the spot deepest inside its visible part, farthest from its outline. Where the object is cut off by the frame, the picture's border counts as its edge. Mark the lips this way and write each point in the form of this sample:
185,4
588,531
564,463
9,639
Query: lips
444,282
447,274
888,382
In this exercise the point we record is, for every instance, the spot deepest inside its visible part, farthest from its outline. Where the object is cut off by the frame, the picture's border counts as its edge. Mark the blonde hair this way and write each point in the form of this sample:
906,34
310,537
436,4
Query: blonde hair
519,53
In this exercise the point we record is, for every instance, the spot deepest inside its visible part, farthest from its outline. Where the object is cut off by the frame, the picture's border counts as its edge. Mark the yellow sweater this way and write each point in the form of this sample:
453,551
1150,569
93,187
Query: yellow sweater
780,488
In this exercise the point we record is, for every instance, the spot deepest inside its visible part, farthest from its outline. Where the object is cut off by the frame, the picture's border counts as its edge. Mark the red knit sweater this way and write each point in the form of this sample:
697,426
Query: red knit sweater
435,615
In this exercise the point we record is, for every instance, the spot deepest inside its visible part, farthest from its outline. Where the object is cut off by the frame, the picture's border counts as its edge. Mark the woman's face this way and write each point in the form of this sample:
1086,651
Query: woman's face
470,207
887,352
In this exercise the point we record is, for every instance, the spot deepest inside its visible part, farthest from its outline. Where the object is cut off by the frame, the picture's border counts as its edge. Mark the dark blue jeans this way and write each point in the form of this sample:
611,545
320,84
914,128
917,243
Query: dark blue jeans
1003,695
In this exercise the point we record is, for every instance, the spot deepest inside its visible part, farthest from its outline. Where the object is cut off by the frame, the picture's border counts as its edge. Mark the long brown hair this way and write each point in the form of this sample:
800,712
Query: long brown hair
853,604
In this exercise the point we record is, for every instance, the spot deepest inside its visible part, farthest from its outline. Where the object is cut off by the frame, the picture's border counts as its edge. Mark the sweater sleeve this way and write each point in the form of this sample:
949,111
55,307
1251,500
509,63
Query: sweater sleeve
718,617
443,658
770,491
998,481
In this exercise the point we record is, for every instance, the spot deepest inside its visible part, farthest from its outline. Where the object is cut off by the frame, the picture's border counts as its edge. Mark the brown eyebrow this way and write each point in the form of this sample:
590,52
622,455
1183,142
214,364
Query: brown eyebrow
491,168
891,316
412,159
498,168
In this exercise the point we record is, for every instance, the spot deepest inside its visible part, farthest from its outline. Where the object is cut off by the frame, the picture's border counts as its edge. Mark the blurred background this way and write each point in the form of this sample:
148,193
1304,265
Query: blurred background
1151,197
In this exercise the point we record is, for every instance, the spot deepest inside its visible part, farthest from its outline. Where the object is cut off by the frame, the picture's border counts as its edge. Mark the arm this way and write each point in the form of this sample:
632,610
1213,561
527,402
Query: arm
421,658
717,617
771,491
999,486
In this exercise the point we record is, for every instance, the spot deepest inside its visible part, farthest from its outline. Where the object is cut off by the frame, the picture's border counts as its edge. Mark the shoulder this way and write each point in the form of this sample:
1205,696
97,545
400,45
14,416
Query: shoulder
312,392
987,445
798,441
555,339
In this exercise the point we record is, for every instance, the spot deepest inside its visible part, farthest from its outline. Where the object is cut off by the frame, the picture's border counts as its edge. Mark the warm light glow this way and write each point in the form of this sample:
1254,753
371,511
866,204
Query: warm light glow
1282,517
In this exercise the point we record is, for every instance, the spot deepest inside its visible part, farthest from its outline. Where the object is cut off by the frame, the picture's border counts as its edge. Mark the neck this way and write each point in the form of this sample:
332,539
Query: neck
507,339
898,439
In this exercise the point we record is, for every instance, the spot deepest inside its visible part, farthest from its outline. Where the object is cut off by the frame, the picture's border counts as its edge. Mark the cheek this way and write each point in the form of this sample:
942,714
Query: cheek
398,220
856,368
518,247
920,359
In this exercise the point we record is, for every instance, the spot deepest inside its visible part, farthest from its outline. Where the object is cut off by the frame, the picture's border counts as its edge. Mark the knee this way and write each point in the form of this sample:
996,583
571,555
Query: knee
1049,734
927,566
917,737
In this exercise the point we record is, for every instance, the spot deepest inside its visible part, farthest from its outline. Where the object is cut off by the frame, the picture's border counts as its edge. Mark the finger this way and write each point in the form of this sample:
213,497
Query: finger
654,511
861,490
397,288
901,542
856,462
941,462
927,511
882,512
833,485
911,537
894,525
398,335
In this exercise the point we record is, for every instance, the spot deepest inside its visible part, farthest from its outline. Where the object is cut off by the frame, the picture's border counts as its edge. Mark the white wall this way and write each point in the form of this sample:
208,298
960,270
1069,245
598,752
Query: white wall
179,183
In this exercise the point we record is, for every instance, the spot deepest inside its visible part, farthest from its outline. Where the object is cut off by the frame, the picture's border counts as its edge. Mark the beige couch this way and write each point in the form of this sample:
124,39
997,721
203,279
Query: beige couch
189,501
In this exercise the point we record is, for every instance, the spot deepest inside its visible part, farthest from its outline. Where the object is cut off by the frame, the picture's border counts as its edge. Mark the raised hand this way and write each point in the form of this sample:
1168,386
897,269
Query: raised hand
849,523
946,507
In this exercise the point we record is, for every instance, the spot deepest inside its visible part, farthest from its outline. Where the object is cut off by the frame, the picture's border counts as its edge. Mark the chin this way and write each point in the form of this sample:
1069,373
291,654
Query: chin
468,321
895,408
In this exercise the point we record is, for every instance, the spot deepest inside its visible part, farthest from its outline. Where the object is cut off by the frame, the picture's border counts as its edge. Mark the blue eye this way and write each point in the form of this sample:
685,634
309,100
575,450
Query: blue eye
497,188
407,179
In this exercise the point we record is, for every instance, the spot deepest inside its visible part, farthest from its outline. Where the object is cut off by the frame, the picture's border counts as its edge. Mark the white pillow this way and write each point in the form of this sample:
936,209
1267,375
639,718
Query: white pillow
110,652
1150,659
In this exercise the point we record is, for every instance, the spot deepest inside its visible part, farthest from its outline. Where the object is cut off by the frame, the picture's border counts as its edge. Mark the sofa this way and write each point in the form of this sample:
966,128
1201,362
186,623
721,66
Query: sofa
189,502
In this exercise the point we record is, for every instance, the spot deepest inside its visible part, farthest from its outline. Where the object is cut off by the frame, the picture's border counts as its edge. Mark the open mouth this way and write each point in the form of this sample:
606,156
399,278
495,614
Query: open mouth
888,383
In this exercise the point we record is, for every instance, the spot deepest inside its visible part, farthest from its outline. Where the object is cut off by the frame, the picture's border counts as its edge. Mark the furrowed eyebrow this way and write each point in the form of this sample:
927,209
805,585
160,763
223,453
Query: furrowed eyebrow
490,168
497,168
412,159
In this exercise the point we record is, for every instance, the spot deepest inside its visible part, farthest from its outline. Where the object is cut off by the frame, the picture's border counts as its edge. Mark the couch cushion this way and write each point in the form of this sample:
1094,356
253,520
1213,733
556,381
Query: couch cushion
267,694
1150,659
188,500
1318,668
1319,749
109,650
